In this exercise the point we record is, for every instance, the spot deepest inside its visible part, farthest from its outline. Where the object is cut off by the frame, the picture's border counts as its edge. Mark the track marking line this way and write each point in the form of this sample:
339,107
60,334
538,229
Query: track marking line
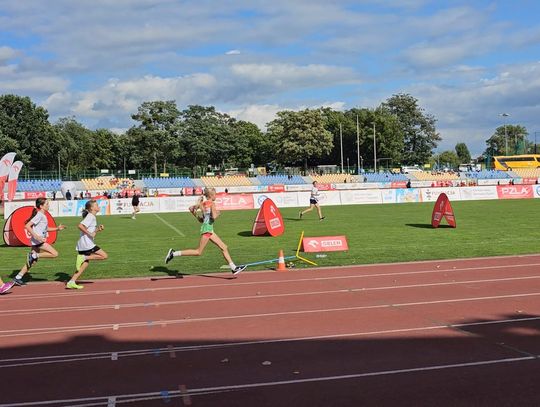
6,363
114,356
247,297
248,283
77,328
186,399
246,386
169,225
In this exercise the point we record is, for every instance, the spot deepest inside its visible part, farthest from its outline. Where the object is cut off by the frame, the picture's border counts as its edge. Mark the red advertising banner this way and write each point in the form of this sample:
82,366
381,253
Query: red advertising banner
15,233
515,191
529,181
268,220
324,244
35,195
325,187
399,184
443,209
229,202
276,188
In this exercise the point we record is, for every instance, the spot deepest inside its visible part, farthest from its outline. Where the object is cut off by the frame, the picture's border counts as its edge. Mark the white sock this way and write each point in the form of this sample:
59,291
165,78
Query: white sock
232,265
19,276
177,254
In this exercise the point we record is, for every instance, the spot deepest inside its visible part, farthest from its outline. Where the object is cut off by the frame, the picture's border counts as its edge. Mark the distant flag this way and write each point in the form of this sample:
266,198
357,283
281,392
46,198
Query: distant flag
12,179
5,166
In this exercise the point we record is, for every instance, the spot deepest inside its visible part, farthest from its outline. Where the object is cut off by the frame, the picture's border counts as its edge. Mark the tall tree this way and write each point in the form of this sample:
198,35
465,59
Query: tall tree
463,153
26,124
299,136
157,133
515,136
448,159
419,132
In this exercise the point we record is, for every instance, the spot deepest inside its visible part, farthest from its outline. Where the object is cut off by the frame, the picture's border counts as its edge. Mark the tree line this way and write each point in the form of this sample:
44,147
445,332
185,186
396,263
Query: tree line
164,137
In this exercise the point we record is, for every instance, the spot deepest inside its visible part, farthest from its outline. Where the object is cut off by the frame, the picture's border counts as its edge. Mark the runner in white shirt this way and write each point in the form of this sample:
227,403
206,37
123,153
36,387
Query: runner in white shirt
38,229
313,202
86,248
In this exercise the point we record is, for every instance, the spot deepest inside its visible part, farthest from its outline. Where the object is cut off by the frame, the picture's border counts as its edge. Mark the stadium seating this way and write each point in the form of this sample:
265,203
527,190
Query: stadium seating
487,174
107,183
384,177
172,182
39,185
434,176
333,178
226,181
527,172
280,179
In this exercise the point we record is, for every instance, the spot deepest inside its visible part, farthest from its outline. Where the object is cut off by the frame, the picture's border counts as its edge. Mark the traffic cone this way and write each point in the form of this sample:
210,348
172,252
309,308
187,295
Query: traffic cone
281,262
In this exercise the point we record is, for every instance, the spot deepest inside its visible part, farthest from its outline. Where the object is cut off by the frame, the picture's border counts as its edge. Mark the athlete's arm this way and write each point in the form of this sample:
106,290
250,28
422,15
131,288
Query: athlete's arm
30,229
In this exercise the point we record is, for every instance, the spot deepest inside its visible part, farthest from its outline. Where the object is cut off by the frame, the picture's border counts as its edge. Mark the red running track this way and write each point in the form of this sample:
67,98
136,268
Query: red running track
445,333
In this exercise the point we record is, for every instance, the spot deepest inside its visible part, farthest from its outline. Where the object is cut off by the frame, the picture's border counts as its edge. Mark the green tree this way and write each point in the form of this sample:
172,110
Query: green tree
448,159
463,153
514,135
72,145
299,136
419,133
156,136
26,127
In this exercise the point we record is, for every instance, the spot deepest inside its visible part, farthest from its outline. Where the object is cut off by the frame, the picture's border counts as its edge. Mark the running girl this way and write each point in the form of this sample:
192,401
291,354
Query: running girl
5,287
135,204
313,202
87,249
38,229
208,215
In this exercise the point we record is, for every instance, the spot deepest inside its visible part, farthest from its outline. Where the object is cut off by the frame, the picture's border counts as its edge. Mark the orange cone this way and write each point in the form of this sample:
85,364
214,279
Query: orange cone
281,262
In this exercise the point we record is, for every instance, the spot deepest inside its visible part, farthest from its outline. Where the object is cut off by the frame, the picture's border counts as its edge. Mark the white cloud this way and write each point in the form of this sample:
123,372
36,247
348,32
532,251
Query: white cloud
7,53
233,52
261,115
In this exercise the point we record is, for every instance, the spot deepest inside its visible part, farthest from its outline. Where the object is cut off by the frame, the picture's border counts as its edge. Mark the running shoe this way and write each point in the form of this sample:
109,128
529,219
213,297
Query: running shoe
19,281
239,269
72,285
79,262
4,288
322,218
169,257
300,215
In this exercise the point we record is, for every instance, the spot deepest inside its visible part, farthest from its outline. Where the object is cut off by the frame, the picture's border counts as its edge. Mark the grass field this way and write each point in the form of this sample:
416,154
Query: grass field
376,233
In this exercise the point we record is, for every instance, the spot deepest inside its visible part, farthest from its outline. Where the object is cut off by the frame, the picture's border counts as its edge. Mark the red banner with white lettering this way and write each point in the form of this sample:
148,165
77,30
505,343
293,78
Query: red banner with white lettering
35,195
276,188
325,244
15,234
515,191
443,209
268,220
229,202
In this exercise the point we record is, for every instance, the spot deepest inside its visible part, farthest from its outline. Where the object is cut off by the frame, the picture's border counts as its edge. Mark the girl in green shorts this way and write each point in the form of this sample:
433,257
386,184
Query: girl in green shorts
206,212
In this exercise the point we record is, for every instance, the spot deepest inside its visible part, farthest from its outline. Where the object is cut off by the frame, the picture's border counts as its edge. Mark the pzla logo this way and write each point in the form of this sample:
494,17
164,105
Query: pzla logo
515,190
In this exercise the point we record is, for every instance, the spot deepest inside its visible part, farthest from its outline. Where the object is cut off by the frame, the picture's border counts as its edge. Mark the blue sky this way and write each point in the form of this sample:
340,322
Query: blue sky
465,61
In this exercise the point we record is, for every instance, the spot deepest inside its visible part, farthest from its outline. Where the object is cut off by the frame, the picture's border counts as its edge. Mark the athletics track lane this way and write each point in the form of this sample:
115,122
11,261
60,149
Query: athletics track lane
348,336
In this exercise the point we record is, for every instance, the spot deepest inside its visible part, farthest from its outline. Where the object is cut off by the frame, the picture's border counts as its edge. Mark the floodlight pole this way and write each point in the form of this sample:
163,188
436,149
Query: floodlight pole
505,115
341,142
374,149
358,144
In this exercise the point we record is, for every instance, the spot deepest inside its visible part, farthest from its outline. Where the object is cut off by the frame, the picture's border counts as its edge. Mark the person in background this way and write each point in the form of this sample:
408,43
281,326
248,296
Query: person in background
68,195
313,202
135,204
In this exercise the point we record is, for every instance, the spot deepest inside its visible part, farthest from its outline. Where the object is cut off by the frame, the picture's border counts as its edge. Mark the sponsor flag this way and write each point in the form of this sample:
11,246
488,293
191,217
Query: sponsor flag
12,179
268,220
5,165
443,209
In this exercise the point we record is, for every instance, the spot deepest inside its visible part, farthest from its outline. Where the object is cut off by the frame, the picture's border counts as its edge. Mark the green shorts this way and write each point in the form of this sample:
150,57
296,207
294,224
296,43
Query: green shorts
207,228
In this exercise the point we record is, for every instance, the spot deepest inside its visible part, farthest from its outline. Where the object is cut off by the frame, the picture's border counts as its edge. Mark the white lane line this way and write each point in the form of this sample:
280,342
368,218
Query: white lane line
78,328
169,225
245,386
229,284
51,359
32,311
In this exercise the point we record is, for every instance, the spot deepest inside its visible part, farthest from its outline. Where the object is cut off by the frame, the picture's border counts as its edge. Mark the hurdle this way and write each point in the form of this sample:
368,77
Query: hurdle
295,257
